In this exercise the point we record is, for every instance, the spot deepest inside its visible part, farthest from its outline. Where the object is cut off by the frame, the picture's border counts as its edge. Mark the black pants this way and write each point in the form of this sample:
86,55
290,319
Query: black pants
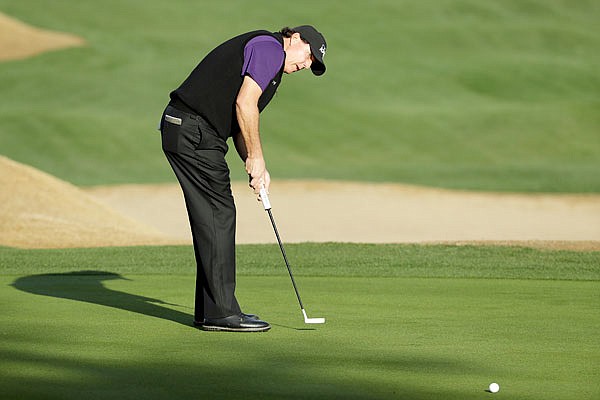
197,155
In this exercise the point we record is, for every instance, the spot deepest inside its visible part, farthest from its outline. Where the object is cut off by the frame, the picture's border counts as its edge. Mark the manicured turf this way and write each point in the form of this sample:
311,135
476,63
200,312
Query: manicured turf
392,331
454,93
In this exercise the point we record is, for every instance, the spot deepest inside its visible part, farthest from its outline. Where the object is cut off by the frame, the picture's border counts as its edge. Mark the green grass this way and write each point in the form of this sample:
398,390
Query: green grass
322,259
453,93
418,322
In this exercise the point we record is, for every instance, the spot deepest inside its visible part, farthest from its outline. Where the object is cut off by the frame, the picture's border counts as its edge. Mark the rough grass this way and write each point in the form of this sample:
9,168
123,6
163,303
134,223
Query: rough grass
453,93
322,259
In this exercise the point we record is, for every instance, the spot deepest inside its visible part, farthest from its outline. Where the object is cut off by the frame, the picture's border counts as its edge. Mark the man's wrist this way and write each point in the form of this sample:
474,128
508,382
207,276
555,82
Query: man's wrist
255,156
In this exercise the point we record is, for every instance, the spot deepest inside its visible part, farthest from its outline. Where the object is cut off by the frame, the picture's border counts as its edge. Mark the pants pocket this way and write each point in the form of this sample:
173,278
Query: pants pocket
170,135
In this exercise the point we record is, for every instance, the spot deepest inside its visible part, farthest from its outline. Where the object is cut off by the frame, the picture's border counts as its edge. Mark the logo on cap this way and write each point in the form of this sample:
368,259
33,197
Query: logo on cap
323,49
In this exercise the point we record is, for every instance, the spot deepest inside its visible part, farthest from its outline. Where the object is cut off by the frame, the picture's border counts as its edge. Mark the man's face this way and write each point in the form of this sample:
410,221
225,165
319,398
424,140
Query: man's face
297,55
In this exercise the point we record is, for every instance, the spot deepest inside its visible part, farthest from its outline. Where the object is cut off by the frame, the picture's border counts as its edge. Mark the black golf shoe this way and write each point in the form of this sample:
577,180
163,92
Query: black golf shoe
235,323
249,316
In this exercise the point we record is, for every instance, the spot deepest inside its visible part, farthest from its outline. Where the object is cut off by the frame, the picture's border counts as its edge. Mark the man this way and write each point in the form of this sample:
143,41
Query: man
222,98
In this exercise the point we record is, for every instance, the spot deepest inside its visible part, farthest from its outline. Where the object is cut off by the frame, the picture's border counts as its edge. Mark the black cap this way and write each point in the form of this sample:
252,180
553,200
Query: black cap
318,46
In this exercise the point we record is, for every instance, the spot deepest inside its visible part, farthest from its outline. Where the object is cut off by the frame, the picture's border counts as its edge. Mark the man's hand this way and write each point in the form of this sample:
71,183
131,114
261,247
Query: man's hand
257,174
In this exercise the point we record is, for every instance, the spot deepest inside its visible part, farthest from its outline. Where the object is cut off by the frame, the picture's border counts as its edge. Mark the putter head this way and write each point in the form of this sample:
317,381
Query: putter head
312,320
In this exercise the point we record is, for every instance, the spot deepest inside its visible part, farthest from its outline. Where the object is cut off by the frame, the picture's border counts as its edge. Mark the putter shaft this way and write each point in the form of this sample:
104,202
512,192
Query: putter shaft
267,205
287,264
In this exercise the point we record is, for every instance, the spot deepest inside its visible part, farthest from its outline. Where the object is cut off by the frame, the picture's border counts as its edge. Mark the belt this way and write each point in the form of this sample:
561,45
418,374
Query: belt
181,106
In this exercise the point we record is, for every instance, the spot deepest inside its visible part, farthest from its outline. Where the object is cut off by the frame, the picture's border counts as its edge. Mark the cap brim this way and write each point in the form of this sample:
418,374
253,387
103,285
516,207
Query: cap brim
318,68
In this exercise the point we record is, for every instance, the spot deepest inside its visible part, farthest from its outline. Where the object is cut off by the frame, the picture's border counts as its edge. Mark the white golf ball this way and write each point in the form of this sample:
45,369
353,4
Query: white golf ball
494,387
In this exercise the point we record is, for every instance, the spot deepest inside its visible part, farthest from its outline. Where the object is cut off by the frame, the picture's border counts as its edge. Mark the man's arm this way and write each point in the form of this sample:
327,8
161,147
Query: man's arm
240,146
247,142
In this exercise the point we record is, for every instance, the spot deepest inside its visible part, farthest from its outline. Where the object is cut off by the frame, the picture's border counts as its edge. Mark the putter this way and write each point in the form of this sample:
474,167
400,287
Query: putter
267,205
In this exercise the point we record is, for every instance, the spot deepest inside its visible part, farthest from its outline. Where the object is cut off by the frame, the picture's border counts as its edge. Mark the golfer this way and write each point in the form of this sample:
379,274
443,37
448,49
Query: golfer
222,98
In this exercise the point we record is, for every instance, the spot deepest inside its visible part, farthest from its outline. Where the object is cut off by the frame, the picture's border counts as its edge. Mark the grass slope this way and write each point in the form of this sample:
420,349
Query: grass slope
405,323
322,259
454,93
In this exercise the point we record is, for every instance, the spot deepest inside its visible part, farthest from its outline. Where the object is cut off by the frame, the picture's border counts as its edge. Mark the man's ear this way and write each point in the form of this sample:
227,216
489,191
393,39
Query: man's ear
295,37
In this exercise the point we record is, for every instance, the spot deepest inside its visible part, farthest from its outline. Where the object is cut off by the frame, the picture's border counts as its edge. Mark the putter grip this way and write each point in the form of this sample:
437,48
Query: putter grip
265,199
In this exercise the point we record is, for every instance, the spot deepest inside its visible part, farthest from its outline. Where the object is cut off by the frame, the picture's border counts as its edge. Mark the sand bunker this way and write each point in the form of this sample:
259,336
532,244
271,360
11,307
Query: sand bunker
324,211
19,40
40,211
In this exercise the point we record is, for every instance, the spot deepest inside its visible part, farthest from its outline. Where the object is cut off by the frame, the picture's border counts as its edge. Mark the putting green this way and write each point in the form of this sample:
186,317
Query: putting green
100,336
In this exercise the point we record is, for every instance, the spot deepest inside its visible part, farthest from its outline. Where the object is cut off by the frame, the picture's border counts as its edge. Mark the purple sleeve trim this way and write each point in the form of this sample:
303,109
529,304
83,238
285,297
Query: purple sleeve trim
263,58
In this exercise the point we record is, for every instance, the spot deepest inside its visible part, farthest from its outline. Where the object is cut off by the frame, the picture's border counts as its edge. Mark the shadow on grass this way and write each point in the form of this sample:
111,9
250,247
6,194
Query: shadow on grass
88,286
279,365
321,376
